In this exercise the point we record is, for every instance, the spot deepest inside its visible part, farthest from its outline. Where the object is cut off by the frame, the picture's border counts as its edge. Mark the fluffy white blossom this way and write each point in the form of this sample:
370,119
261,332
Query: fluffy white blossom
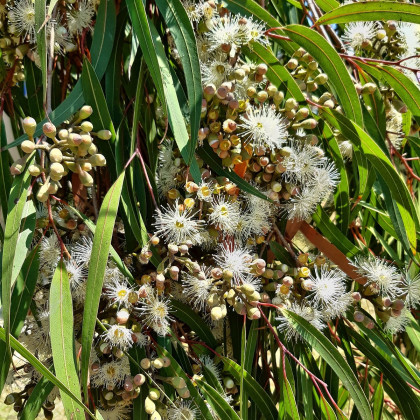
225,215
80,19
410,288
398,323
381,274
235,259
22,18
82,250
155,310
358,34
264,128
182,410
118,292
118,336
177,225
197,287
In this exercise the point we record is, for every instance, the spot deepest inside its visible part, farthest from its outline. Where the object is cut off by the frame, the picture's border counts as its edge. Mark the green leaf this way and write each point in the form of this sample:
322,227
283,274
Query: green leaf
327,5
378,401
36,399
383,166
176,370
217,402
16,205
276,73
33,81
97,265
260,397
372,10
5,177
194,321
332,65
100,53
178,23
175,117
209,156
142,30
41,42
331,355
291,411
333,234
46,373
281,254
20,302
62,339
413,332
406,400
404,87
137,354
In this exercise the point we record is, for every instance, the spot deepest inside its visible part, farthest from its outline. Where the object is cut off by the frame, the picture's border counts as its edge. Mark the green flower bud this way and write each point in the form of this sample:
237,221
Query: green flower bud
104,134
29,126
86,126
27,146
85,112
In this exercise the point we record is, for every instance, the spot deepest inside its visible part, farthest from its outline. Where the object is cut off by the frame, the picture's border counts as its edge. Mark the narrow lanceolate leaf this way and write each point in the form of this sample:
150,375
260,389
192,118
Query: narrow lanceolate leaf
41,41
378,401
45,372
97,265
36,399
331,355
177,20
20,302
289,401
100,53
405,88
175,370
62,340
219,405
141,28
194,321
175,117
384,167
331,64
262,400
16,205
405,398
372,10
5,177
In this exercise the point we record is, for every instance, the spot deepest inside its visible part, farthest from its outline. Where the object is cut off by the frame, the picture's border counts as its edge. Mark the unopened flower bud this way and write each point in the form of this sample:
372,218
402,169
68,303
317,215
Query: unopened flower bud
27,146
358,316
85,112
49,130
104,134
29,126
56,155
86,126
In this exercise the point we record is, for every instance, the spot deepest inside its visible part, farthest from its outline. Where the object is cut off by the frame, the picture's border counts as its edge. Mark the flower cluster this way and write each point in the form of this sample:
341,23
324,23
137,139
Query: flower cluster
73,150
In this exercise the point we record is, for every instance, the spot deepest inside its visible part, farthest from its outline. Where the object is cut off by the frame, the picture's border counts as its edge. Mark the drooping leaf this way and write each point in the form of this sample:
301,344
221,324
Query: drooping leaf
178,23
37,398
331,355
97,266
62,340
372,10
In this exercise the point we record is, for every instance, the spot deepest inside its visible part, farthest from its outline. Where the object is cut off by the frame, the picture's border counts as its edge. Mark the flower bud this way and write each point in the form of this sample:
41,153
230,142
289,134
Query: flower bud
29,126
85,178
56,171
149,406
154,394
158,363
85,112
97,160
358,316
145,363
35,169
27,146
104,134
139,379
86,126
228,382
56,155
49,130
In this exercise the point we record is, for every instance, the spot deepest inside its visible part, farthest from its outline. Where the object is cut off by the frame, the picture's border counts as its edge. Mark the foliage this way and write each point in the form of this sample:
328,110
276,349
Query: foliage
209,209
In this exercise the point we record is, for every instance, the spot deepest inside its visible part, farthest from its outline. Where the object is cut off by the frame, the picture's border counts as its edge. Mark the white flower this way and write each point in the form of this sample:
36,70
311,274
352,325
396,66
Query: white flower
205,191
110,374
118,292
225,215
346,149
82,250
264,128
177,225
209,364
22,18
357,34
215,70
76,274
302,205
197,289
380,273
194,10
327,286
398,323
306,312
235,259
302,162
155,310
118,336
394,127
79,19
182,410
50,251
411,289
256,221
339,307
409,34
